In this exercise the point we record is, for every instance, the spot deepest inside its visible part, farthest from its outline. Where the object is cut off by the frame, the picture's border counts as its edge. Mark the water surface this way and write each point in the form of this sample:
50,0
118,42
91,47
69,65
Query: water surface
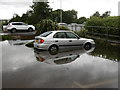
24,67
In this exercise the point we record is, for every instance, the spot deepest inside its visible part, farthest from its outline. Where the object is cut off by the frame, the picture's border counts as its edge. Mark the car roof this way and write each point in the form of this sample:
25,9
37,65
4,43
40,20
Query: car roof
16,22
61,31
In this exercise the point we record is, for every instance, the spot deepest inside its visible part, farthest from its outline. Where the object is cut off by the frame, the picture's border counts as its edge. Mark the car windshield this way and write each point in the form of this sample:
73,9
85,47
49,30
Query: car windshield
45,34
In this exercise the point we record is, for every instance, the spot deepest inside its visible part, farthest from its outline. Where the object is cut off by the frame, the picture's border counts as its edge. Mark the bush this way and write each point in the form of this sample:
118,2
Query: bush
6,37
46,25
104,22
82,33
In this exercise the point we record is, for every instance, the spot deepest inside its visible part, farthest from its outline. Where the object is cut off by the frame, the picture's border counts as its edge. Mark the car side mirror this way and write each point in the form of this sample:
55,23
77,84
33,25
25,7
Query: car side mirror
78,37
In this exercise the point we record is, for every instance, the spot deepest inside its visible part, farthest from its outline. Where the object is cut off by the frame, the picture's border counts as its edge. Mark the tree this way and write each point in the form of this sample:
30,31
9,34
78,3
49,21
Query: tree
81,20
69,16
40,11
106,14
24,18
96,14
16,18
46,25
55,15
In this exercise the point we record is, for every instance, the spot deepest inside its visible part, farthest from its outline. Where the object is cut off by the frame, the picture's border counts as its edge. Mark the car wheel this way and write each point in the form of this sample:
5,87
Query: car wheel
87,46
30,29
13,30
53,49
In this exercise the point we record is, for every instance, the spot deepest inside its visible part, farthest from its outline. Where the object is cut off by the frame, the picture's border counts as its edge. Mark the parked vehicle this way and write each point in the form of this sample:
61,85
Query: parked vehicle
62,24
16,26
54,40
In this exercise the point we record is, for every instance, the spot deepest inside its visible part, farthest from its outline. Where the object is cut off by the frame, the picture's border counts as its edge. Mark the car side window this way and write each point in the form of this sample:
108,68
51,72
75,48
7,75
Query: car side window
16,23
20,24
59,35
70,35
23,24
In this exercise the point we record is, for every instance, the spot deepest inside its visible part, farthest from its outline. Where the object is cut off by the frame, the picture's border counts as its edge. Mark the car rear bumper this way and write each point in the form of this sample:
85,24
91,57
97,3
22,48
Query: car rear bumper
41,46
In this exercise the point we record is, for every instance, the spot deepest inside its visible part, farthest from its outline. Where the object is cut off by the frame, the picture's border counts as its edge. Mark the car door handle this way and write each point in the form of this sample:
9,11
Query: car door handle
56,40
70,40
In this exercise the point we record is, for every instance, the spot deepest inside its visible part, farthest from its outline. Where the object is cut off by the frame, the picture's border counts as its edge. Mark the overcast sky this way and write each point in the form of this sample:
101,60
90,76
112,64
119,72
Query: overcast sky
84,7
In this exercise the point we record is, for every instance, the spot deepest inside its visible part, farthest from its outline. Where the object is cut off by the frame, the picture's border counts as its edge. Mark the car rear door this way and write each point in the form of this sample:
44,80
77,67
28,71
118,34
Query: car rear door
18,26
60,39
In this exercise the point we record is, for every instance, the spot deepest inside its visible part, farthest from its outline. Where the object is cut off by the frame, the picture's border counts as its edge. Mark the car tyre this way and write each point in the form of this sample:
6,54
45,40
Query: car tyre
30,29
87,46
53,49
13,30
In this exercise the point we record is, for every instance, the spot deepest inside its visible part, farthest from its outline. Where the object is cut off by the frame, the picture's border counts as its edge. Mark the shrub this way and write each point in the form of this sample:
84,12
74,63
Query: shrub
82,32
46,25
104,22
6,37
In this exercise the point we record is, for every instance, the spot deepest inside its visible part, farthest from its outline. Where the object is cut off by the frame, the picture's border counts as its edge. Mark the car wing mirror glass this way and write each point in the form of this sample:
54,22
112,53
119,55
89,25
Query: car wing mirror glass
78,37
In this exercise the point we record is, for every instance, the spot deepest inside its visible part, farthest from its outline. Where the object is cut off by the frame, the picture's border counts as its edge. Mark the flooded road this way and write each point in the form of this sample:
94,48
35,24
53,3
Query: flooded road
24,67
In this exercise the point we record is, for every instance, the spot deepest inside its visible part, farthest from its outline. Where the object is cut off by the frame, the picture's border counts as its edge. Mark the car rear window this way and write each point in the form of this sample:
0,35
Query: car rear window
45,34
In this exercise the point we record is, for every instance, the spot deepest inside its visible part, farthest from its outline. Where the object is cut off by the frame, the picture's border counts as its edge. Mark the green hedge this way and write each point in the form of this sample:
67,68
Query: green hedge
6,37
108,25
82,33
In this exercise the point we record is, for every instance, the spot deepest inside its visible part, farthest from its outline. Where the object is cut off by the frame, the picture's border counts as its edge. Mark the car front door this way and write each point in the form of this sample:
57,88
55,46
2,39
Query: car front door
24,26
73,40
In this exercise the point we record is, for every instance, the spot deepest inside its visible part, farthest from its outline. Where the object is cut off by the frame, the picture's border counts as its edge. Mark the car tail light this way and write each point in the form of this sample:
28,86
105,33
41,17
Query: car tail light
40,59
41,41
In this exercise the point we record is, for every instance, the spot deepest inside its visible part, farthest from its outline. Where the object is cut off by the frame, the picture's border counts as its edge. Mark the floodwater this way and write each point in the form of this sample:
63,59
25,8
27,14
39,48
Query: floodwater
24,67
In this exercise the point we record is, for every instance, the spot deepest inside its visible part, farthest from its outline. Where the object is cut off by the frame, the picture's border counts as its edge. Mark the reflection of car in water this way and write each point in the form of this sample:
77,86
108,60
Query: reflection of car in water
60,57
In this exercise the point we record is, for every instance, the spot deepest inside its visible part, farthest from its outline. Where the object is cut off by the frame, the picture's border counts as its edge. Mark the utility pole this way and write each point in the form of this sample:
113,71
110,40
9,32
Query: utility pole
61,11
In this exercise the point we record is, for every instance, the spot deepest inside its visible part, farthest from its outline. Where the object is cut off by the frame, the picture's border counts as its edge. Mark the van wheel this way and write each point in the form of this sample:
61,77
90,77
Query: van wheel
53,49
87,46
13,30
30,29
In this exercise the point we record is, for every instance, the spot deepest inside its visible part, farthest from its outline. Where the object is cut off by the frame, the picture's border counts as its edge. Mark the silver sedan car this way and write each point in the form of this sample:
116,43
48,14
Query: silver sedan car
55,40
